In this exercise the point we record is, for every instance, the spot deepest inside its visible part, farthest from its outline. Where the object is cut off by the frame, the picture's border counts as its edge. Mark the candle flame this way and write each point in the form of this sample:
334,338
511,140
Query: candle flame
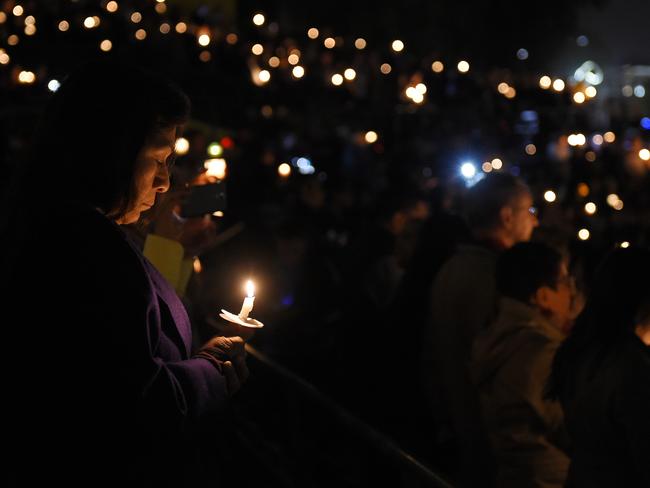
250,288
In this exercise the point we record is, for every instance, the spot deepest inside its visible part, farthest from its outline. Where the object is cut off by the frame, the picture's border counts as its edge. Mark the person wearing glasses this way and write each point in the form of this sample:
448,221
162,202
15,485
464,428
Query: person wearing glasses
511,362
463,299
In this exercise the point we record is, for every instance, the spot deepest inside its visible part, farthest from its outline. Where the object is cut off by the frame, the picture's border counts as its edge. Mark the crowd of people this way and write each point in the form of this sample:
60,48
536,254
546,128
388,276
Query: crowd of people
465,321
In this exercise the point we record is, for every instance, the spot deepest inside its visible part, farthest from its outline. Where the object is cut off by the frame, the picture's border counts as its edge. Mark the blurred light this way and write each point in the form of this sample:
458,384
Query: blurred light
590,156
205,56
590,208
165,28
258,19
293,59
136,17
17,10
463,66
196,263
583,190
577,139
264,76
609,137
298,71
385,68
329,42
582,41
218,213
468,170
337,79
274,61
558,85
216,167
421,88
257,49
111,6
360,43
410,92
579,97
30,29
232,38
204,39
215,149
397,45
30,20
550,196
26,77
181,27
583,234
4,57
522,54
106,45
618,205
625,244
503,87
417,97
181,146
486,167
371,137
437,67
627,91
644,154
545,82
267,111
612,198
312,33
589,72
227,142
284,170
140,34
591,91
89,23
597,139
3,17
511,92
350,74
645,123
53,85
13,39
639,91
497,164
161,8
530,149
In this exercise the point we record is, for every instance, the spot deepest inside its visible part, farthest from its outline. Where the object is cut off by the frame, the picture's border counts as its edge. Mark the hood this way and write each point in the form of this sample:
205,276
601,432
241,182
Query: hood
515,323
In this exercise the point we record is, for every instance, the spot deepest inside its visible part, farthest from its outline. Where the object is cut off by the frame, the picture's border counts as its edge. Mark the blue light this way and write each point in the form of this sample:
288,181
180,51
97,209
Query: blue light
522,54
645,123
468,170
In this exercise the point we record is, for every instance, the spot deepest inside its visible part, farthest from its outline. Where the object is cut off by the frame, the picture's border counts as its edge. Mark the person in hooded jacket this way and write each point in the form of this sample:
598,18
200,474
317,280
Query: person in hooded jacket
512,360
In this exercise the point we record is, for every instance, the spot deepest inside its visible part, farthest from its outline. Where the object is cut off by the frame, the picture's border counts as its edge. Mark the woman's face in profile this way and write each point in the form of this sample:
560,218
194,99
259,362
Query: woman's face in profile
151,173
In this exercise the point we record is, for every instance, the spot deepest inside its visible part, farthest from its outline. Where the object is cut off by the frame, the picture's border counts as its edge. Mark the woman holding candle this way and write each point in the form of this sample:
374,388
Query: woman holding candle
115,396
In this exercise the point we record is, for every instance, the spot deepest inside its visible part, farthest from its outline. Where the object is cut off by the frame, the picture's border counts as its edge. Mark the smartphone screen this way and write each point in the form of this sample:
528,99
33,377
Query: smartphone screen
205,199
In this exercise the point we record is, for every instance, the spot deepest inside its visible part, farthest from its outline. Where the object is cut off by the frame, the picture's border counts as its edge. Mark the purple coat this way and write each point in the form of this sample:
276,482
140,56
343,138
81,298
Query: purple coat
103,385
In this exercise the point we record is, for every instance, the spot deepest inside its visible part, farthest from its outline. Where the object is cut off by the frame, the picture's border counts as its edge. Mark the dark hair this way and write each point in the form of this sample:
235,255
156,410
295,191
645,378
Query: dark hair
618,301
92,130
525,267
484,201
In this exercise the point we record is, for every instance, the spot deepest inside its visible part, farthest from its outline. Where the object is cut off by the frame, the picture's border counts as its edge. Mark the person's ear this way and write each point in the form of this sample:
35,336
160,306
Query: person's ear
541,297
506,215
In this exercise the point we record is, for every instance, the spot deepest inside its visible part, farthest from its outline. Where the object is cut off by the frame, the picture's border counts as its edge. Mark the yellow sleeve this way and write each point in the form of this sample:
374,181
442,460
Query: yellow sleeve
168,256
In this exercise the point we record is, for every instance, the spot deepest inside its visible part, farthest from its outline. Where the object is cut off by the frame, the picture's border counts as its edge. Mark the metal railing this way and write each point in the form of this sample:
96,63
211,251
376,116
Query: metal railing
386,453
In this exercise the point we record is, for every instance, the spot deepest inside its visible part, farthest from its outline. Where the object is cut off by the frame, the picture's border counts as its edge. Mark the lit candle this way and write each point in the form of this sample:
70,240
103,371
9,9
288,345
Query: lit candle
248,301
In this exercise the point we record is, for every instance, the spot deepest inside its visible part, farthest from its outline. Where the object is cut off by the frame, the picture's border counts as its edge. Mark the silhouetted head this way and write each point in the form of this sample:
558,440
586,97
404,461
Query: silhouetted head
106,139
